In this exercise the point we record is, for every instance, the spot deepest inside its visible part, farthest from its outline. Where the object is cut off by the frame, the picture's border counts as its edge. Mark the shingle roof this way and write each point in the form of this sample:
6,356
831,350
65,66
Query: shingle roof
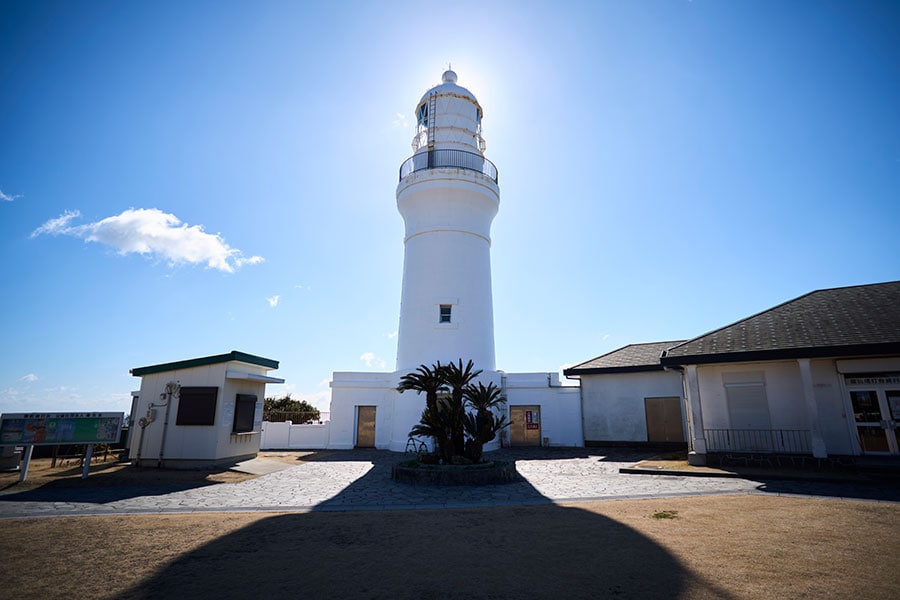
628,359
849,321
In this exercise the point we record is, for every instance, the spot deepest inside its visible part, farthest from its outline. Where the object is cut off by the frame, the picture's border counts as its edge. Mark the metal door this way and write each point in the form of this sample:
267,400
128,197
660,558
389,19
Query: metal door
365,426
525,429
664,422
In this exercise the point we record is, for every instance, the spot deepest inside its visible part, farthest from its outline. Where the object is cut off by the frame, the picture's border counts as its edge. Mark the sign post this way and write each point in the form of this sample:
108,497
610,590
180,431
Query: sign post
25,462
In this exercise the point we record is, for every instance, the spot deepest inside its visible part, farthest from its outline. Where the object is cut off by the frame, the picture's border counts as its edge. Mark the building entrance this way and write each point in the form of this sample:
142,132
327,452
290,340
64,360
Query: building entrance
525,428
664,421
876,412
365,426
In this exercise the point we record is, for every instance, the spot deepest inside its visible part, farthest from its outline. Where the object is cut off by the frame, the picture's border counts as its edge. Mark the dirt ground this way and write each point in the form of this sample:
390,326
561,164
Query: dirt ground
702,547
114,473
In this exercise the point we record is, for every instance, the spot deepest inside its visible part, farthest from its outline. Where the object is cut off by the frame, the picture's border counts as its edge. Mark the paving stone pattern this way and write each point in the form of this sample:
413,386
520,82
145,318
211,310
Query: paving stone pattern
361,480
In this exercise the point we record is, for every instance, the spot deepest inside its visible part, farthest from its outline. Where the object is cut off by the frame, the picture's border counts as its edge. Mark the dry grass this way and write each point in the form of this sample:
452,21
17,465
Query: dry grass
716,547
110,473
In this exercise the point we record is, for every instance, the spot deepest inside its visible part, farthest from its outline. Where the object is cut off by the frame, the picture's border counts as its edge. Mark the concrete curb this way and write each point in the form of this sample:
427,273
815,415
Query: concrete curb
750,476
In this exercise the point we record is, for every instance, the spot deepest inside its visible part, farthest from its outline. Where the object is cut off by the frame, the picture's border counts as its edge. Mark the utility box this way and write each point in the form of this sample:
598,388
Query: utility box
200,412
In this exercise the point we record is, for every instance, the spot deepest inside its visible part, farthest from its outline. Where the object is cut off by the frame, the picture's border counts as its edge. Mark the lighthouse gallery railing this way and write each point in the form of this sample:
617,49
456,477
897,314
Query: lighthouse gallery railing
448,157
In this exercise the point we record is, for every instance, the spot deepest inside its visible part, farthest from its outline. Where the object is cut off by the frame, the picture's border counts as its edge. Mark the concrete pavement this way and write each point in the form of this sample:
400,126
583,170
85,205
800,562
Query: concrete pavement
360,480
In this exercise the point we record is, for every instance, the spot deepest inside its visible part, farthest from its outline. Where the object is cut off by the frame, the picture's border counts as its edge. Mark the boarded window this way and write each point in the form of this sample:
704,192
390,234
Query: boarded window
747,406
197,406
244,409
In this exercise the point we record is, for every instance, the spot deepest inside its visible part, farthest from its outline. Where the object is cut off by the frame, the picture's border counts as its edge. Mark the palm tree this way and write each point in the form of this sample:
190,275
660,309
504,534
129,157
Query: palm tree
482,425
458,377
424,379
445,418
439,423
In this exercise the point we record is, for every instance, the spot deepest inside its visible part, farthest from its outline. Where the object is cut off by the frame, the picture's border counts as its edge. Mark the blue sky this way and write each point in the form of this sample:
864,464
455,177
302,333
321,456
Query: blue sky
182,179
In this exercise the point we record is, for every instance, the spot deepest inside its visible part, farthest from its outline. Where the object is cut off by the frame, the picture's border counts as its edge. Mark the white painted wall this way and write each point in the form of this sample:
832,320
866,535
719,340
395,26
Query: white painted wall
560,405
446,261
287,436
835,417
784,395
352,389
614,403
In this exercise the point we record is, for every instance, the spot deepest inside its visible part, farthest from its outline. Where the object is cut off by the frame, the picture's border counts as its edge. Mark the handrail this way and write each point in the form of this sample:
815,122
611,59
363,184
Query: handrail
779,441
448,157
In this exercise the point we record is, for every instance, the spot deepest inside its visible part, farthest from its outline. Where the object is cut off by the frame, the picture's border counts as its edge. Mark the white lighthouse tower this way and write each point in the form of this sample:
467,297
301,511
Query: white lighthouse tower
448,196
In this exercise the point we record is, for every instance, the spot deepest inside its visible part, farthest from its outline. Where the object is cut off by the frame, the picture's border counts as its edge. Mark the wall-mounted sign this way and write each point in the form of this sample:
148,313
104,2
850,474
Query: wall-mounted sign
47,429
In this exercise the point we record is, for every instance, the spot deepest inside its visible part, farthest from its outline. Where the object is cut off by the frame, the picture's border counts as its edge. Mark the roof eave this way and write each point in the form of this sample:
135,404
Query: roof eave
233,356
878,349
574,372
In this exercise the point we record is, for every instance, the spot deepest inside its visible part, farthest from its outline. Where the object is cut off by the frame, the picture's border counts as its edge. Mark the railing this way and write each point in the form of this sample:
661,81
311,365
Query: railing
297,417
448,157
774,441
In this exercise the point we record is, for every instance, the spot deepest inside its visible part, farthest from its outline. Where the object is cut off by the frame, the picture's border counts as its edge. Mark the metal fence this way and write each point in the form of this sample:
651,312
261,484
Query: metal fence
776,441
297,417
448,157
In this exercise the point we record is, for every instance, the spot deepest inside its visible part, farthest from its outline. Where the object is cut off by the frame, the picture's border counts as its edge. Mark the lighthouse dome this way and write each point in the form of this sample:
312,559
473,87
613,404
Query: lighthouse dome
448,87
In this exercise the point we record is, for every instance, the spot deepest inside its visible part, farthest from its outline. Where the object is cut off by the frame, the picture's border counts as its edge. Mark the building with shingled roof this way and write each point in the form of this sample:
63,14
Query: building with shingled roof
818,375
628,397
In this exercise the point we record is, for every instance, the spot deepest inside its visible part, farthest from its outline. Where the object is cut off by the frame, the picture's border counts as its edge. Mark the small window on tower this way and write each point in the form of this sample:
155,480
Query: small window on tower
445,313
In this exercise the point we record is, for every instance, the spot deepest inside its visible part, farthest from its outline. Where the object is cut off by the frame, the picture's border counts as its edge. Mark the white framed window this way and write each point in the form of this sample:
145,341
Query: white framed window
445,314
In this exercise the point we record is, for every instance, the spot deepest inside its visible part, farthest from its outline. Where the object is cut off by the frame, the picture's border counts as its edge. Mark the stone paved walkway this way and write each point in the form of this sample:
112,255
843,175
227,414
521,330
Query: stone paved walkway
360,480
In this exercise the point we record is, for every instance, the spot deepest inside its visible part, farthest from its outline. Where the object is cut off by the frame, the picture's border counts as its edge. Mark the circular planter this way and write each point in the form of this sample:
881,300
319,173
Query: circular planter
489,473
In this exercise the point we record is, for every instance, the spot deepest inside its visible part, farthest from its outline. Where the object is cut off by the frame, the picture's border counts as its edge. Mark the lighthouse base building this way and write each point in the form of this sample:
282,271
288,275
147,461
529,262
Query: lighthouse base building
368,411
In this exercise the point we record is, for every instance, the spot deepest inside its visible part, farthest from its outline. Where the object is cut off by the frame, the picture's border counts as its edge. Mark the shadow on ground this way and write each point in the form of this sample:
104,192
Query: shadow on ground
102,487
880,490
538,551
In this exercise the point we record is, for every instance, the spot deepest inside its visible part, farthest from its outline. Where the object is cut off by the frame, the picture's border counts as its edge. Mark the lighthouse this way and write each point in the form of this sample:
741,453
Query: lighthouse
448,196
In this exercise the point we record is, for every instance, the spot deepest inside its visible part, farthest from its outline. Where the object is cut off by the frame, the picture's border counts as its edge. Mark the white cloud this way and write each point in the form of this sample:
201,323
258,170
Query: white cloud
273,301
392,335
372,361
8,197
58,225
240,261
149,231
30,378
605,337
399,120
324,382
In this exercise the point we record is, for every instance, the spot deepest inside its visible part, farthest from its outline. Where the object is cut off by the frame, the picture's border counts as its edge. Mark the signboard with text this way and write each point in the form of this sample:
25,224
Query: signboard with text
532,420
47,429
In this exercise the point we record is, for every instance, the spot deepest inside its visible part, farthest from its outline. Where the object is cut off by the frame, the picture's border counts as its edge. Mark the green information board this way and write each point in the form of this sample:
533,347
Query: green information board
47,429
